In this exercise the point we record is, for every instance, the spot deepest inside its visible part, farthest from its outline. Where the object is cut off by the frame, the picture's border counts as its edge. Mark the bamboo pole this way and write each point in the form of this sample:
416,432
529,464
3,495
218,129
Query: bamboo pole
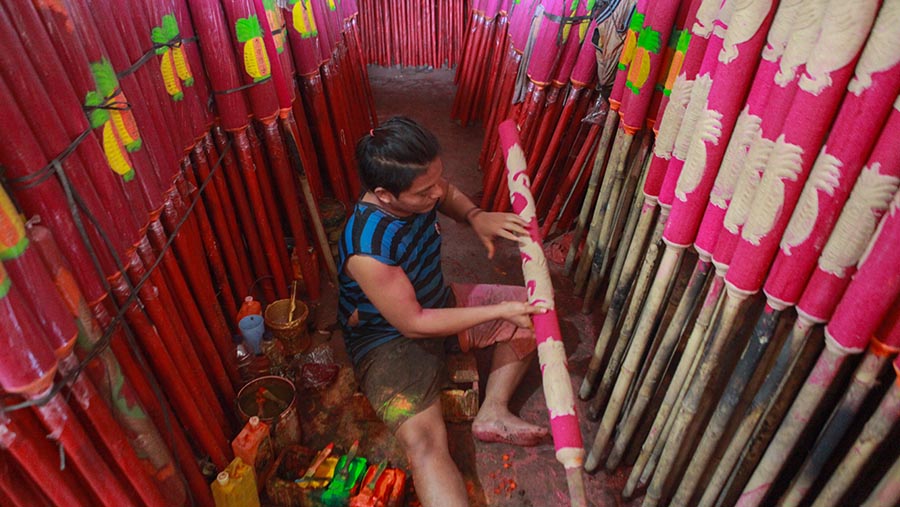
691,405
886,492
862,307
636,212
864,380
668,266
612,63
875,432
609,231
612,120
682,374
836,265
673,332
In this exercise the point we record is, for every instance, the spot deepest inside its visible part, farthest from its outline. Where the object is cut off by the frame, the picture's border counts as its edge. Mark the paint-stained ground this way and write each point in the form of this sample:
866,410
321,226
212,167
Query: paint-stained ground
495,474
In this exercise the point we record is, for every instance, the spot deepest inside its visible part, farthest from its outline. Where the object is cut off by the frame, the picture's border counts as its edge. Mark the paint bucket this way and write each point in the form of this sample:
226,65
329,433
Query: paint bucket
274,400
292,334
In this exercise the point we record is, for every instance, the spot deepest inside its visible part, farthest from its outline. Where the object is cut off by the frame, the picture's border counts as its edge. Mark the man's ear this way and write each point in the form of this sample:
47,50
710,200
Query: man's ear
384,195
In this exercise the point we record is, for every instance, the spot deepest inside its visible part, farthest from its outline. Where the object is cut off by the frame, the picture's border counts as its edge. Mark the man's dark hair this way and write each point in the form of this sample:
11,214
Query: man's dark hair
394,154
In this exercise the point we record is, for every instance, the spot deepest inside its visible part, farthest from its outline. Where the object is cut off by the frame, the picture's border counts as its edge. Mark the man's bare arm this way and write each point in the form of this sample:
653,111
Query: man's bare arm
390,290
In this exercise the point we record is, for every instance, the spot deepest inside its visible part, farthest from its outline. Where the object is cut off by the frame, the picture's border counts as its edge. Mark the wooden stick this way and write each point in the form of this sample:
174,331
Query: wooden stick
612,120
668,267
874,433
613,222
765,395
683,373
715,428
864,379
612,183
634,415
639,207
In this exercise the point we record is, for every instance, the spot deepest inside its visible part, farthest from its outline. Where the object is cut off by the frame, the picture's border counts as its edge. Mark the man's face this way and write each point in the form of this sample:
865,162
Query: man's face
424,193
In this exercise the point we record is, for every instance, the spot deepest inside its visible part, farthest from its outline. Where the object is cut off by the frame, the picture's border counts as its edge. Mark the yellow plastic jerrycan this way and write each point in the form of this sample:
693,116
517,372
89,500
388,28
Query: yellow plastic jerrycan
236,486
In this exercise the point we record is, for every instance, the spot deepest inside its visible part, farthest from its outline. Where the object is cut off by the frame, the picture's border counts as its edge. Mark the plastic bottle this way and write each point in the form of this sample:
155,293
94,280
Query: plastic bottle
254,446
250,306
236,486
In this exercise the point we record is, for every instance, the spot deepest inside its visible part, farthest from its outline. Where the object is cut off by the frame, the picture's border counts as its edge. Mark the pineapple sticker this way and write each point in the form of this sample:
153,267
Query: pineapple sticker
583,26
303,18
256,61
631,36
5,284
276,24
648,42
110,109
566,27
173,65
684,38
12,229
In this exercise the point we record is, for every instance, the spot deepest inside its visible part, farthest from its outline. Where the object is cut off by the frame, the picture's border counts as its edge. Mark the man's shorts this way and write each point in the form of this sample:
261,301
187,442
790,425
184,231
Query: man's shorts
405,376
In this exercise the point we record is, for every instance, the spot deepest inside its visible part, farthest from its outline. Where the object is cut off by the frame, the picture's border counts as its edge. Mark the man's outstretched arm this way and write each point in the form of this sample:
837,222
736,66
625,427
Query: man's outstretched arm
487,225
390,290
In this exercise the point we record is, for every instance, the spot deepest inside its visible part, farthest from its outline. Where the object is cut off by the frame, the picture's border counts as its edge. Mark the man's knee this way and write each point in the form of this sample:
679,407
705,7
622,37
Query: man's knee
424,434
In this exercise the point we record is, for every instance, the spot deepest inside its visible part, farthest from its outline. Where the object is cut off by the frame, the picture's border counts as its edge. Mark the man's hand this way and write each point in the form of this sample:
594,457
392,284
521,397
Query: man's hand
519,313
489,225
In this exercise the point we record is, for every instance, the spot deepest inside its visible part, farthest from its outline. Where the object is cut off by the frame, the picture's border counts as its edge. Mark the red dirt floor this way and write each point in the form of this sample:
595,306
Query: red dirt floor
339,414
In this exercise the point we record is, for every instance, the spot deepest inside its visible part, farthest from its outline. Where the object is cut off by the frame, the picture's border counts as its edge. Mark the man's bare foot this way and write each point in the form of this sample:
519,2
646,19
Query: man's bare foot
507,428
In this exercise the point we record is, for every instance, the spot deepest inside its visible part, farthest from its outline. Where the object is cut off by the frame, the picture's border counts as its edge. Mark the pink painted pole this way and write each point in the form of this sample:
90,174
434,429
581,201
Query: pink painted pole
551,352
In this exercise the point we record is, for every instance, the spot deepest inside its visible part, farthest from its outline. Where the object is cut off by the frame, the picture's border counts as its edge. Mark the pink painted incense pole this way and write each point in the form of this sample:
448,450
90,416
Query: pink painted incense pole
865,303
868,201
643,73
821,89
643,213
548,43
719,96
624,271
837,166
509,103
551,353
631,312
550,119
805,18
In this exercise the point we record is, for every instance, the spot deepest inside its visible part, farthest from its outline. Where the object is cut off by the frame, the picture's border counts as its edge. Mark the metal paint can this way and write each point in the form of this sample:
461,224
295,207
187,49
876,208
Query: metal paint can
274,400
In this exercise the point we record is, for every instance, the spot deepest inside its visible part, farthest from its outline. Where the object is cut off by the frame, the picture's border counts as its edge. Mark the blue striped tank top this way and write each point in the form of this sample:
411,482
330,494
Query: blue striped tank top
413,243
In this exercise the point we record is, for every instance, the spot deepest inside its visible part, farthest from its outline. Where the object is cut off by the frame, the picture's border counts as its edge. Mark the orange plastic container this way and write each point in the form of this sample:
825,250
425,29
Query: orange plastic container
250,306
254,446
236,486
